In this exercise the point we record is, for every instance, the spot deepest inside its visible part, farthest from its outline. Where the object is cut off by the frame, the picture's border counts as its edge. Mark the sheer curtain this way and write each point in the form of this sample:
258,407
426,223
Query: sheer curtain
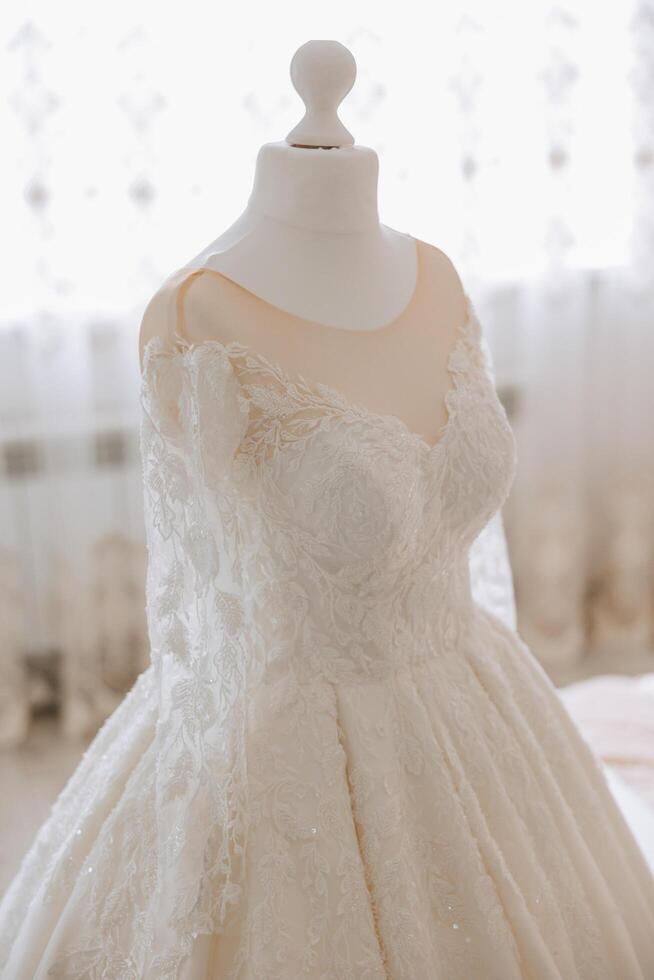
519,138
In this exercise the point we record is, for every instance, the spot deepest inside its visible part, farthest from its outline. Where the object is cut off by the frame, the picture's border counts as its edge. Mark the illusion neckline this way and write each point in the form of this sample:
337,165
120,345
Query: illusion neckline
326,327
335,395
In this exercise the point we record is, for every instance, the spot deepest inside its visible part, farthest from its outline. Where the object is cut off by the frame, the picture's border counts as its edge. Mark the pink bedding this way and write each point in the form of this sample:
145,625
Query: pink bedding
616,716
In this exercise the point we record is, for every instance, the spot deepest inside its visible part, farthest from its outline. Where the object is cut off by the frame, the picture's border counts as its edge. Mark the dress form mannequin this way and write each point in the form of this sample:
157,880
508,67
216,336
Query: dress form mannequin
308,275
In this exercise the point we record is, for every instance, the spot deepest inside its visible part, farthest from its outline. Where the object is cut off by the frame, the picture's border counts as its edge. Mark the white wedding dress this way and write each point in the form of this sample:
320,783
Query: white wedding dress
343,762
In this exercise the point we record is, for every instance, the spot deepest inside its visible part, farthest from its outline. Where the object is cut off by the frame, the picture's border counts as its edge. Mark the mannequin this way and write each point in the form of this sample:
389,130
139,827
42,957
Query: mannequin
309,277
339,762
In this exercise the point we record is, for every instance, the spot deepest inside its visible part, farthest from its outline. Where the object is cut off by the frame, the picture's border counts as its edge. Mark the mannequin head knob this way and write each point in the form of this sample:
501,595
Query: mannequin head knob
322,72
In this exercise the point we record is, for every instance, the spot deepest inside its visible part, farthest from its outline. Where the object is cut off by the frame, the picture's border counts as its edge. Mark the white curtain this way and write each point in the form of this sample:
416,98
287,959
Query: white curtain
519,138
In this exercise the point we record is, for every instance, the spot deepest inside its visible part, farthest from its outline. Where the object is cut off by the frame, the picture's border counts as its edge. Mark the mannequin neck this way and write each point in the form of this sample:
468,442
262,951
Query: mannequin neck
331,190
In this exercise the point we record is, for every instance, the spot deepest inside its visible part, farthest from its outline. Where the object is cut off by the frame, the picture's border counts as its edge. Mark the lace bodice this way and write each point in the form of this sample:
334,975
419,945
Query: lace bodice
292,534
373,521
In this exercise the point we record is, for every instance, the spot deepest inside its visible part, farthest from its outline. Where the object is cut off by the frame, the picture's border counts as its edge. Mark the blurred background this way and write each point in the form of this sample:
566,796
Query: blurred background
518,138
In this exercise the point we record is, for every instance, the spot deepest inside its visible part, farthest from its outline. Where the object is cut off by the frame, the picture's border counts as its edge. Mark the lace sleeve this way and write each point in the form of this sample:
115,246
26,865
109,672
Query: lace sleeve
490,572
199,646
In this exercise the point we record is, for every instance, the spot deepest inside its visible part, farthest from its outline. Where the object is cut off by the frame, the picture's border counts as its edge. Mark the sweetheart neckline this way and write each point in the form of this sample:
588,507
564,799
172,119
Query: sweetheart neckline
339,399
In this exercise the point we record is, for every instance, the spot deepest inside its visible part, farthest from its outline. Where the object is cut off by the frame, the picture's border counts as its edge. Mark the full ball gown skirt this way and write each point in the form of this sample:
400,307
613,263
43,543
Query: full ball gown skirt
340,764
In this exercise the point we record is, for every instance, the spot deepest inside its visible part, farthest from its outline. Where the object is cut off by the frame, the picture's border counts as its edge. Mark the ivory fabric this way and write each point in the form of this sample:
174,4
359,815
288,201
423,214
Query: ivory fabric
342,764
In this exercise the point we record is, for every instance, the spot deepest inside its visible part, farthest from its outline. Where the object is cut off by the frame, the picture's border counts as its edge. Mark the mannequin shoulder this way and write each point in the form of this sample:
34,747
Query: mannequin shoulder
444,280
211,306
154,319
199,303
159,316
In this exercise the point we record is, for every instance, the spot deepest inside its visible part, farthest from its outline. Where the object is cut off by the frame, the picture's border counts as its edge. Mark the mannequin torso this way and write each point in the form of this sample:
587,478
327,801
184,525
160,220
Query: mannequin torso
309,278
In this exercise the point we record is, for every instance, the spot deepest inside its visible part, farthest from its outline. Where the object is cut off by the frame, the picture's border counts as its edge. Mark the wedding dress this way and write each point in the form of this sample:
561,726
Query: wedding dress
343,762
